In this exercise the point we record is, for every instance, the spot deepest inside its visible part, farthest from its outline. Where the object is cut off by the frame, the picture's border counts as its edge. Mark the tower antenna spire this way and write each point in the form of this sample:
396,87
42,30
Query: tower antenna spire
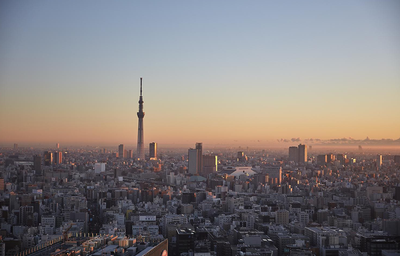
140,86
140,114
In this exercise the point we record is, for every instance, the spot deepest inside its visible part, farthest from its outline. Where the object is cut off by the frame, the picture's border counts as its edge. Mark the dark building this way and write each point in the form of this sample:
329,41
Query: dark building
397,193
58,157
210,164
293,154
121,151
321,159
48,158
37,164
26,215
153,150
188,197
199,148
184,240
376,245
330,158
224,248
241,157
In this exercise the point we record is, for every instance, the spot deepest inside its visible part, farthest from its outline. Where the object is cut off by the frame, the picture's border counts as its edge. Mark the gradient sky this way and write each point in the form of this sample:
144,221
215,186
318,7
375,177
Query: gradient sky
219,72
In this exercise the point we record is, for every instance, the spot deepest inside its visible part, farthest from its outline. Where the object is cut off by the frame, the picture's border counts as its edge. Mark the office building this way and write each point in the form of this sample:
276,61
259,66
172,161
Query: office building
274,174
185,240
210,163
15,146
140,114
193,161
379,161
57,145
321,159
153,151
342,158
121,151
199,148
293,154
129,154
330,158
37,164
58,157
302,153
48,158
241,157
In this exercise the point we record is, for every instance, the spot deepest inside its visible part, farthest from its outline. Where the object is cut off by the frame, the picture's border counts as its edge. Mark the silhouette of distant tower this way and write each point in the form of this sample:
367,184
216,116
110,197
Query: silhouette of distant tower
140,114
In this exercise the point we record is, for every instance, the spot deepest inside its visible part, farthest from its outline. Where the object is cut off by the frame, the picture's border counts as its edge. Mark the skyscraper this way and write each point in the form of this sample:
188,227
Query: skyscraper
37,164
48,158
121,151
199,148
210,163
302,153
140,114
58,157
379,161
293,154
153,150
193,161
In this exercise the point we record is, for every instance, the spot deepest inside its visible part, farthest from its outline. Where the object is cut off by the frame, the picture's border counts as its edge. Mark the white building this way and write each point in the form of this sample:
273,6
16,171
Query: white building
99,167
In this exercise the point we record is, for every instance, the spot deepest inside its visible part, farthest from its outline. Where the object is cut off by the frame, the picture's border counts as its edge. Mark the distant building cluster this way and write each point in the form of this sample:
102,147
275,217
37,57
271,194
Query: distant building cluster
198,201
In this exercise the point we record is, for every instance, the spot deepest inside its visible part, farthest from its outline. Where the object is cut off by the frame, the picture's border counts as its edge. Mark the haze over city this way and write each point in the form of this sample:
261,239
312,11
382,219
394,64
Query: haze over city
225,74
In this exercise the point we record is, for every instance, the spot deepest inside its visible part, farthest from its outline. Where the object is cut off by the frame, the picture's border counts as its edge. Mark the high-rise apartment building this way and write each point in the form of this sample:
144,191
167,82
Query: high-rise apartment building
282,217
140,114
153,150
121,151
302,153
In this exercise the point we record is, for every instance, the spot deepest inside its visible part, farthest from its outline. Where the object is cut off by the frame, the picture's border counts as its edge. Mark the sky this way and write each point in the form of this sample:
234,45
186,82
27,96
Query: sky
217,72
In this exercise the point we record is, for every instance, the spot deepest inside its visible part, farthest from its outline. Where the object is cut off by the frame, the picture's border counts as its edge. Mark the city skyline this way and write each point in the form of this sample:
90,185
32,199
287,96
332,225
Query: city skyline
248,75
